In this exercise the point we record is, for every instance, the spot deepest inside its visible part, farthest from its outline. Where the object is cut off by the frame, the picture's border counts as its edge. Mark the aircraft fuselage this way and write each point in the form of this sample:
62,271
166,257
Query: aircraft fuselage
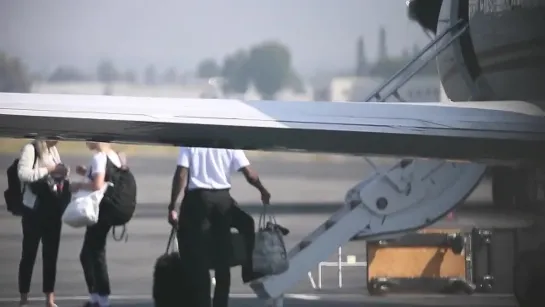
500,57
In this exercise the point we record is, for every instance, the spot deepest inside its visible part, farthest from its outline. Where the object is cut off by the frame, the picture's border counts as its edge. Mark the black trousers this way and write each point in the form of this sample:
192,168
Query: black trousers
47,229
205,211
244,223
93,258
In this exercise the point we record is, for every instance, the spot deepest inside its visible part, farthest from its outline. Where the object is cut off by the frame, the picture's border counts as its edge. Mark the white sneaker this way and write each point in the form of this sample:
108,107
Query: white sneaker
103,301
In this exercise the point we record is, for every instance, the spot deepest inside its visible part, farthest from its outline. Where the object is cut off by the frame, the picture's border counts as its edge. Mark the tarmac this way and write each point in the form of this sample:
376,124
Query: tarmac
303,195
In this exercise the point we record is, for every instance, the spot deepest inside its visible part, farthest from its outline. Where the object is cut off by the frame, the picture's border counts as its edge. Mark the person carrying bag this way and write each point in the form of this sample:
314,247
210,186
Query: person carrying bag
269,255
202,177
110,175
44,191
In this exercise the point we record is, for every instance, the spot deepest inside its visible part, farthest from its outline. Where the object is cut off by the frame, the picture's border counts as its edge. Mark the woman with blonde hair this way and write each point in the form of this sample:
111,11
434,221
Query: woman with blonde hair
93,252
42,176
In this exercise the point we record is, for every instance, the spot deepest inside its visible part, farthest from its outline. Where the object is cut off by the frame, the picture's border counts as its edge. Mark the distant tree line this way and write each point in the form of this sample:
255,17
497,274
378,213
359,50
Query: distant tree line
268,66
13,75
107,73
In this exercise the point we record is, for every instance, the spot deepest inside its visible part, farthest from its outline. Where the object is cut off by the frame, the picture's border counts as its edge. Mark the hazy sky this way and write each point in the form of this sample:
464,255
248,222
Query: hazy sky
133,33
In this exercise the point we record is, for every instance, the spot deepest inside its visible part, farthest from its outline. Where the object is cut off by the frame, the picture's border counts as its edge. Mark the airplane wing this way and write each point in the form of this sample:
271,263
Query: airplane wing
498,131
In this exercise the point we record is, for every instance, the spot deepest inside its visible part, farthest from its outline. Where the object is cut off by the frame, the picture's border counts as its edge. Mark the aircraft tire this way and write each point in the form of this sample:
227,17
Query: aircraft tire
529,278
526,190
503,192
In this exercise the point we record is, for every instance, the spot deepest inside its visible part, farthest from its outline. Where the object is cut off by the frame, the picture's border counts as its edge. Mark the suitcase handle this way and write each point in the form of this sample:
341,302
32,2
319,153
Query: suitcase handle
172,242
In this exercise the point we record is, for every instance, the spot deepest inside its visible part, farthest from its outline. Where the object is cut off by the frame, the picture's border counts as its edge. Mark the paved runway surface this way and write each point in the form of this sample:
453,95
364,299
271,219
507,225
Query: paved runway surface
306,191
324,301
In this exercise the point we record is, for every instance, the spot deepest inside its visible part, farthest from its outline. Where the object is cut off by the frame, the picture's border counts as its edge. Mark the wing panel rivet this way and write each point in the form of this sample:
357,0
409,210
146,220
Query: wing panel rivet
382,203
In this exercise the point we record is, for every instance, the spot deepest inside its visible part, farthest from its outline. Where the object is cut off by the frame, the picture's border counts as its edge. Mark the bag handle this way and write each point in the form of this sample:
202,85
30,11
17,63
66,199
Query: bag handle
25,184
172,245
124,236
262,218
265,217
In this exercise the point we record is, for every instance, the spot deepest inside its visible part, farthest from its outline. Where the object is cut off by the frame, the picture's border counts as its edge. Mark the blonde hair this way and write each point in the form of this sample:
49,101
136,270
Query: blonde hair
100,146
103,146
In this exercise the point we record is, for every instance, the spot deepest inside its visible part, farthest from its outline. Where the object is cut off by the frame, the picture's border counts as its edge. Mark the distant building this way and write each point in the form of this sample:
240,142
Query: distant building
417,89
382,44
195,88
424,86
361,58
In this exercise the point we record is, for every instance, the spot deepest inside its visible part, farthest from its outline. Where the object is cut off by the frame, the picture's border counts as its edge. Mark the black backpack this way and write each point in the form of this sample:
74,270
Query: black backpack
120,199
14,194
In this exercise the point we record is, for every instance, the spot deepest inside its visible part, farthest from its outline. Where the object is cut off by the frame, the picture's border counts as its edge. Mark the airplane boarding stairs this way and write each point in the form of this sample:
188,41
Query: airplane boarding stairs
406,196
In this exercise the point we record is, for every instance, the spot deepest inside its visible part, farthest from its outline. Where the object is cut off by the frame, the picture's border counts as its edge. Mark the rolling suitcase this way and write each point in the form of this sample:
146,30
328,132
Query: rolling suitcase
168,281
168,276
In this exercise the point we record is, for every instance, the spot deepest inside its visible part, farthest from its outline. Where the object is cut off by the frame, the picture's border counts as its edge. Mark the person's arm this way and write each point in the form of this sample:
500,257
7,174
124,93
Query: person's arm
179,183
61,169
180,178
242,164
252,178
25,168
98,175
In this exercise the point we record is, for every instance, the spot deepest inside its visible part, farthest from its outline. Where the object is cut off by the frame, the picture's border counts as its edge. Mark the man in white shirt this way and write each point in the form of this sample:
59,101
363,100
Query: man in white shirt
208,205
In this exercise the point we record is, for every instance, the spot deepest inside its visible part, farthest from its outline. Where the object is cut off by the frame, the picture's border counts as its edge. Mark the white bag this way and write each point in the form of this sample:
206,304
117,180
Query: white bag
83,210
269,256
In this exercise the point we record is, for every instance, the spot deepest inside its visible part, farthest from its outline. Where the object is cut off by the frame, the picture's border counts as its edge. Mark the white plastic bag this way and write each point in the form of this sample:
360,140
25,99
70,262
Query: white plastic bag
269,256
83,210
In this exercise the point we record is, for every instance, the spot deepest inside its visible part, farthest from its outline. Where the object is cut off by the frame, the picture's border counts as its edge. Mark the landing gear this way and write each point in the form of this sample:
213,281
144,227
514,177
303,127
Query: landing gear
529,278
529,269
502,187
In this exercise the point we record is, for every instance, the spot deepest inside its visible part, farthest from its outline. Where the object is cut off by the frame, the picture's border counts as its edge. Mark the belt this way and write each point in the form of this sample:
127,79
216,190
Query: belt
207,190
